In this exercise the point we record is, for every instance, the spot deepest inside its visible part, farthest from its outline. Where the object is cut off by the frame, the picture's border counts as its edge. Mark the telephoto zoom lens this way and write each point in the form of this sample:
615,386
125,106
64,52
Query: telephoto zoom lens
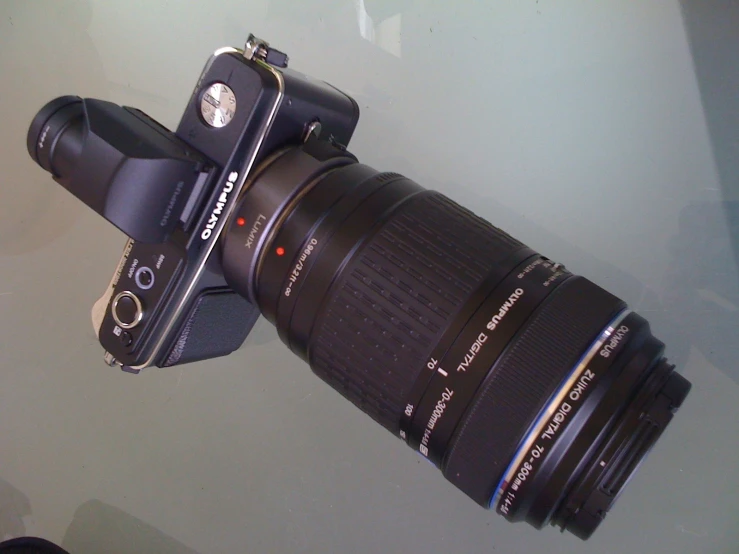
533,390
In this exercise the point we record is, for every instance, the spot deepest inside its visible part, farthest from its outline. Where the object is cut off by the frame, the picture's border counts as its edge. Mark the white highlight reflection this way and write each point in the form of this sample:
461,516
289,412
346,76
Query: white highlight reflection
386,34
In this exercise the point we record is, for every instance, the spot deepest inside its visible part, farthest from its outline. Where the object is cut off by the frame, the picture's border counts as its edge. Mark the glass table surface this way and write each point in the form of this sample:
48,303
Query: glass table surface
603,134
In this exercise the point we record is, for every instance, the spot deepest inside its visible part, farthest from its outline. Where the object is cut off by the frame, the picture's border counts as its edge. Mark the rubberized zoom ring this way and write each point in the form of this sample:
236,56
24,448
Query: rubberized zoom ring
521,383
396,297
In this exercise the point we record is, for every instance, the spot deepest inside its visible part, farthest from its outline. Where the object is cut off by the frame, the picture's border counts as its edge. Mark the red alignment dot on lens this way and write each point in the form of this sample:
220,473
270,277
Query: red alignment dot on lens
280,251
240,221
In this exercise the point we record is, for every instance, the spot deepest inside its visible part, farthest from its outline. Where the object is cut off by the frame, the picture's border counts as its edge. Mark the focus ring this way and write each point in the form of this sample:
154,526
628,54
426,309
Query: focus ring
395,298
521,383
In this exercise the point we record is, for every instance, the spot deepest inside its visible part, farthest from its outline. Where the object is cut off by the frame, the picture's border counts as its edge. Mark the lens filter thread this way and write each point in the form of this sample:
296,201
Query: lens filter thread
611,467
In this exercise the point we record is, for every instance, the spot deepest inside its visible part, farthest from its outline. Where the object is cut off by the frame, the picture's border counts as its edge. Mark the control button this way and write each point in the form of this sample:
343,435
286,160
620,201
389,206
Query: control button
127,310
144,278
126,338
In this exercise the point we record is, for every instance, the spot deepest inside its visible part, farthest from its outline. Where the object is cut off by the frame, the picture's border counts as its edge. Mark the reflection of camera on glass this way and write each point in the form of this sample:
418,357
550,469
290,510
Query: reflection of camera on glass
532,389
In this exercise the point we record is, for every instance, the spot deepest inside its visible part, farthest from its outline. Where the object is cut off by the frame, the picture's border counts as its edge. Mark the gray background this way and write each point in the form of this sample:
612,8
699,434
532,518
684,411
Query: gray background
605,134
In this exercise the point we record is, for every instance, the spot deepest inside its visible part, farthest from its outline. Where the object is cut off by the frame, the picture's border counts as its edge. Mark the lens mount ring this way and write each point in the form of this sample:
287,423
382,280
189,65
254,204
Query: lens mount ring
283,216
270,193
296,237
557,415
345,231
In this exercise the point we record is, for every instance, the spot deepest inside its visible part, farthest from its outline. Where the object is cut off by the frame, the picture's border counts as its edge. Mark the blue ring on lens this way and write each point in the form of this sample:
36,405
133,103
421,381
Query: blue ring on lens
543,411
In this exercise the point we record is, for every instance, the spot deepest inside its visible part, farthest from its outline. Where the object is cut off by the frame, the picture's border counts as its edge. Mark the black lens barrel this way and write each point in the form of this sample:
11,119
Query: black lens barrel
385,289
522,382
370,263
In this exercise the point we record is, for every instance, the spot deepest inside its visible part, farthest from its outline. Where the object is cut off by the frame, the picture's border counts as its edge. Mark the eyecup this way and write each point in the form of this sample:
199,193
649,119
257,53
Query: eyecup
42,117
642,424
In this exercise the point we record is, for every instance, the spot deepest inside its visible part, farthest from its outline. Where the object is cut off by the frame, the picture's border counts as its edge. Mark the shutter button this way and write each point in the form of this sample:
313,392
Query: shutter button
127,310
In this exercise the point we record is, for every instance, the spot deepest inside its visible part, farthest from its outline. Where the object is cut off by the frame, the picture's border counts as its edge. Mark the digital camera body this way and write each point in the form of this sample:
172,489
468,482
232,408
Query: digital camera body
531,388
168,302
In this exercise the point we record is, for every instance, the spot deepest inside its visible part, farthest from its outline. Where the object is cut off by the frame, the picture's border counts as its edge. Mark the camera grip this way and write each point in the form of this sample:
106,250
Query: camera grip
218,323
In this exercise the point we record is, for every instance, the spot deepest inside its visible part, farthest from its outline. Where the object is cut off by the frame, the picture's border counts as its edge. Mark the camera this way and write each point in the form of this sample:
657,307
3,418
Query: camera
534,391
